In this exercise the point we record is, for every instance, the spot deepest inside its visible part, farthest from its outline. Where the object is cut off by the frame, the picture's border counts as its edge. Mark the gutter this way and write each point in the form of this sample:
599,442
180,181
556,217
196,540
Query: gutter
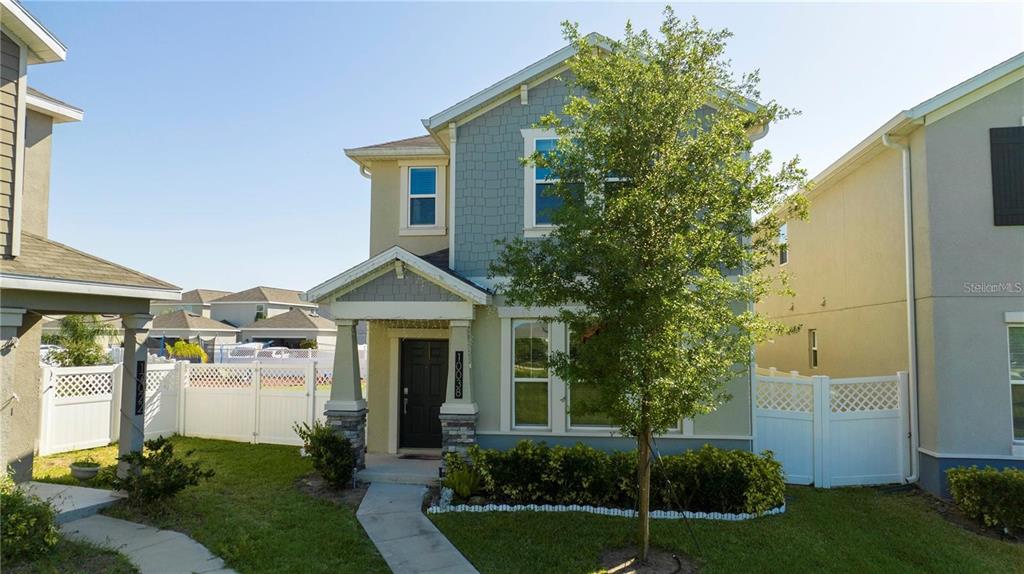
911,292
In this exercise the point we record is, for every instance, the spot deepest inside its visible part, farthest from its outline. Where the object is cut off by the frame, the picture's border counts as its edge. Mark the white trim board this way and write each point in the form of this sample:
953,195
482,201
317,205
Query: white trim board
934,454
399,310
87,288
19,23
59,112
422,268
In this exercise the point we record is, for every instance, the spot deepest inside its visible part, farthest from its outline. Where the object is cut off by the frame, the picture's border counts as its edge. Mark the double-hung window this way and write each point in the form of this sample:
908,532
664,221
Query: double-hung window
423,198
530,375
539,181
783,245
1016,336
812,348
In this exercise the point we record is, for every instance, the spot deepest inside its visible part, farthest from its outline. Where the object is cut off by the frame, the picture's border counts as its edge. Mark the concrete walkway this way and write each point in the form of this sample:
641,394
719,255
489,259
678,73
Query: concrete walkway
408,541
72,502
151,550
394,469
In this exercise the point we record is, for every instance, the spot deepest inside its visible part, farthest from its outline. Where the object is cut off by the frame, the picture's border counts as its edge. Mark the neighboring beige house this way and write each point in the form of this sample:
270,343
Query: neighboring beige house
290,329
246,307
196,301
168,328
40,277
957,160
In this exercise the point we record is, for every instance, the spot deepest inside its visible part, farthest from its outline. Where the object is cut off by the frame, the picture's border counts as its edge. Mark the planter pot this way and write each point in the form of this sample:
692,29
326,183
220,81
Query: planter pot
82,472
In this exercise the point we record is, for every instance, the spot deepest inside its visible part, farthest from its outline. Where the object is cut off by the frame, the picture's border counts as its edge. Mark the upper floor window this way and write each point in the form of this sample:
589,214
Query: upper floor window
538,182
812,348
422,196
783,244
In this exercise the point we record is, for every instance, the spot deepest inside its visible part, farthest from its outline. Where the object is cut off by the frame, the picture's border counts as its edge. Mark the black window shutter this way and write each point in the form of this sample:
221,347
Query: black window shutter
1007,148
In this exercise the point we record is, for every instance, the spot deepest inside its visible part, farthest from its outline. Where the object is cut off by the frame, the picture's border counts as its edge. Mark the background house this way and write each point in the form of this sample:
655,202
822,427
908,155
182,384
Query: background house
168,328
196,302
40,277
957,161
291,329
245,307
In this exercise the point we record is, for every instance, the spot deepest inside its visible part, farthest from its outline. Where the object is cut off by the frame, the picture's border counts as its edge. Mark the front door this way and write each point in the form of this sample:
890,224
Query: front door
422,379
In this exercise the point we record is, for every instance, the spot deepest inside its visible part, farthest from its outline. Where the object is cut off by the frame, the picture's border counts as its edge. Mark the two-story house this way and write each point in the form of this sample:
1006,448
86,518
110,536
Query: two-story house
39,277
928,209
196,302
450,361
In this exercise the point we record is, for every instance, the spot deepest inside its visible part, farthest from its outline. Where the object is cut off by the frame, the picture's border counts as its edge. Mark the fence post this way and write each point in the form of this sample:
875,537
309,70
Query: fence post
115,403
311,391
256,382
181,373
46,393
822,407
906,436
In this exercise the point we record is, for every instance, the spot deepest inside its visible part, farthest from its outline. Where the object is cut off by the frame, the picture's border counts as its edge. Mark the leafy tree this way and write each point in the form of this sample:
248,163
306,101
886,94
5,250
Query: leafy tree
79,341
657,189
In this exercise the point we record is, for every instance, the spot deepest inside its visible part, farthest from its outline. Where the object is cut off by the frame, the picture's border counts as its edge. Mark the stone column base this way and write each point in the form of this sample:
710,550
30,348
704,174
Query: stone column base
458,433
351,425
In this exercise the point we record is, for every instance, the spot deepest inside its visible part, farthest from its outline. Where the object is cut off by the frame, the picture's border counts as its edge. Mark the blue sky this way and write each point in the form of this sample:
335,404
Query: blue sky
211,151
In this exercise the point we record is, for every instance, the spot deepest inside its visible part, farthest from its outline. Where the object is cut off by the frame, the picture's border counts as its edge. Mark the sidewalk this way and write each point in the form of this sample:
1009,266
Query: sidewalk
151,550
408,541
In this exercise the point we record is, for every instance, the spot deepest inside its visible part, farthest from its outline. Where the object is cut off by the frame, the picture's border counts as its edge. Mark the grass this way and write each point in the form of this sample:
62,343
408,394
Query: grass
843,530
72,556
251,513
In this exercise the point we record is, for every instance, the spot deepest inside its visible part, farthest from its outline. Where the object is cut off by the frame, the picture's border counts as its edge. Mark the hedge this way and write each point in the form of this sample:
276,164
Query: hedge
992,497
705,480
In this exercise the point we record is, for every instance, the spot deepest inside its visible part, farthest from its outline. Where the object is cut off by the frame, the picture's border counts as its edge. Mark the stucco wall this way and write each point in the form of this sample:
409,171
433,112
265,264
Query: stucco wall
19,421
489,177
385,210
389,287
36,195
846,265
486,347
964,377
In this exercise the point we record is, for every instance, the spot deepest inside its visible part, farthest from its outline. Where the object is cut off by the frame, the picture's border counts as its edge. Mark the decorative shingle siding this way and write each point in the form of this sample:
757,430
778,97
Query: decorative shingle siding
389,287
9,74
489,176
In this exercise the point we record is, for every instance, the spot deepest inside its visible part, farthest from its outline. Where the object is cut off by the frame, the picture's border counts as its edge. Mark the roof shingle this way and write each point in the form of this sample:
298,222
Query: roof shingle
182,320
264,295
294,319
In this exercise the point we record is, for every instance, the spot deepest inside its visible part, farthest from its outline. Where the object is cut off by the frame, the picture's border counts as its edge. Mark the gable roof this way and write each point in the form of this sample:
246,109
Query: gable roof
928,111
185,321
45,265
42,44
265,295
419,145
292,320
442,276
202,296
45,104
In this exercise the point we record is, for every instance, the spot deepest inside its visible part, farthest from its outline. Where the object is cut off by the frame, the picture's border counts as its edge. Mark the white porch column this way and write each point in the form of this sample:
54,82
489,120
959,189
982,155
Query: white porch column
133,386
459,412
346,409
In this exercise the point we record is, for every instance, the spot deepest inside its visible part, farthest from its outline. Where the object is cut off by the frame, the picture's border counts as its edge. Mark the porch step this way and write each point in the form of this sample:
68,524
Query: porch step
391,469
72,502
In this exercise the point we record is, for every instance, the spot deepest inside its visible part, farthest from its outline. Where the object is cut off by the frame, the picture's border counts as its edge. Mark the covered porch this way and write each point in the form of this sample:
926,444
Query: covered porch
420,375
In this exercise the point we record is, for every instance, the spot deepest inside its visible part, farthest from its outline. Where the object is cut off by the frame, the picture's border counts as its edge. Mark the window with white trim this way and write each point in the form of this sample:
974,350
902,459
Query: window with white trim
423,198
530,375
1016,345
812,348
539,204
783,244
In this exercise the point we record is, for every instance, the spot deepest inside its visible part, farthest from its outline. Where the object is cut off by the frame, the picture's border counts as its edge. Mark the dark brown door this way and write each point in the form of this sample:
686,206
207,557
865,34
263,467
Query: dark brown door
423,378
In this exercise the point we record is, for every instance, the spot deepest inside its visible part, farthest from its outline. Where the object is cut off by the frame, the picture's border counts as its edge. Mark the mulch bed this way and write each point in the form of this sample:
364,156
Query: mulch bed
623,561
314,485
952,514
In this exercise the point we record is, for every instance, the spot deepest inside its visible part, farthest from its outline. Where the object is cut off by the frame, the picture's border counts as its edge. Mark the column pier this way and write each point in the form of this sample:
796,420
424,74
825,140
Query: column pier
459,411
133,387
346,409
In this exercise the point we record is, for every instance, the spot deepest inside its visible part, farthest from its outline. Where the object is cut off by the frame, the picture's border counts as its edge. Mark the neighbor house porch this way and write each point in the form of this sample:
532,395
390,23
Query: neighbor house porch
419,376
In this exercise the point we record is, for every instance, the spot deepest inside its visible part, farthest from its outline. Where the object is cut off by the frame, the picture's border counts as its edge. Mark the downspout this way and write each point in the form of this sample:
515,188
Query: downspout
908,248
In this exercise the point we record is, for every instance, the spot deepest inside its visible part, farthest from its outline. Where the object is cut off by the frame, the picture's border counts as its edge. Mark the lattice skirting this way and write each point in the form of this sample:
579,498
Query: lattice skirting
627,513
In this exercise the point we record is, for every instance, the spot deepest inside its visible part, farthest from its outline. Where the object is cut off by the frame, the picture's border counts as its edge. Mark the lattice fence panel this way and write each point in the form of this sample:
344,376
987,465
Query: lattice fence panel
219,377
324,378
162,380
282,377
83,385
861,397
791,397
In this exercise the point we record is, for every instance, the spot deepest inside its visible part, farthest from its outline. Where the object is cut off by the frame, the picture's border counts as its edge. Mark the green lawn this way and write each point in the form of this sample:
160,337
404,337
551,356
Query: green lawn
250,514
79,557
845,530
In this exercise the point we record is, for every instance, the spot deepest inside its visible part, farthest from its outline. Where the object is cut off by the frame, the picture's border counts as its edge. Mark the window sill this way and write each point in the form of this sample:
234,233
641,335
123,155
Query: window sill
537,231
426,230
1017,449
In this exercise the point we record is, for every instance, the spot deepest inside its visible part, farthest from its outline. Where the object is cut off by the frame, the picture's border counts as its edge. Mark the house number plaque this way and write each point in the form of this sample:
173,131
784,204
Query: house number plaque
458,374
140,388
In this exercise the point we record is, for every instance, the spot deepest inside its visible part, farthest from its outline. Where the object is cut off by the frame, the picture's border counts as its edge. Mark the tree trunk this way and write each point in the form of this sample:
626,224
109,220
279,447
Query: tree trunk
644,477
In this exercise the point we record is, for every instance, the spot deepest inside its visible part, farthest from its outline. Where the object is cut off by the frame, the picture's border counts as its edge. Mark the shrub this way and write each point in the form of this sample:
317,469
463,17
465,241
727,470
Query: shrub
992,497
707,480
29,524
464,482
156,475
332,454
308,344
192,352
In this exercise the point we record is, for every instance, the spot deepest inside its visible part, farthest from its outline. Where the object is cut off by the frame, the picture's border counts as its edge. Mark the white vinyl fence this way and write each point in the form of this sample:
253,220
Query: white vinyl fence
834,432
250,402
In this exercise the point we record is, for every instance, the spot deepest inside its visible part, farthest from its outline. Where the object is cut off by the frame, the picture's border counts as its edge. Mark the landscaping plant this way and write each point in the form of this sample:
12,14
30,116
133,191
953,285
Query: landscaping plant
187,351
29,524
78,343
990,496
332,454
656,189
155,474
